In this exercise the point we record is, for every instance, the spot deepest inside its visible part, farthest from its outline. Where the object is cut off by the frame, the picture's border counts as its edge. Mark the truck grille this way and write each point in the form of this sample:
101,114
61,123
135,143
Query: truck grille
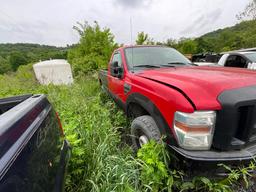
236,121
246,125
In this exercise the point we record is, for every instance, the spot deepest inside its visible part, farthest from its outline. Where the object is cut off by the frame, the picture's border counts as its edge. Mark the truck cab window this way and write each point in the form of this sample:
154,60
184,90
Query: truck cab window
236,61
117,57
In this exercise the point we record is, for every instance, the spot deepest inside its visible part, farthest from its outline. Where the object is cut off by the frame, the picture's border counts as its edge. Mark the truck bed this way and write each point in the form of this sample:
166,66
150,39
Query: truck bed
103,79
33,154
10,102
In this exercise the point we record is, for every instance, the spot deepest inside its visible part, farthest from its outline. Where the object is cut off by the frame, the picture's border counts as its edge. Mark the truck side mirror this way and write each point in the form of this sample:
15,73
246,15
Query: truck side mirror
115,70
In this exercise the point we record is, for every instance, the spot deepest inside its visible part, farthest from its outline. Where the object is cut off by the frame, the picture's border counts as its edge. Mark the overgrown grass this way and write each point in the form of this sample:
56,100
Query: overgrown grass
91,123
100,161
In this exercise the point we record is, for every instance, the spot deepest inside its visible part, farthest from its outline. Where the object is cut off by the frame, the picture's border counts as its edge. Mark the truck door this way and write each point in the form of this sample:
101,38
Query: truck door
115,84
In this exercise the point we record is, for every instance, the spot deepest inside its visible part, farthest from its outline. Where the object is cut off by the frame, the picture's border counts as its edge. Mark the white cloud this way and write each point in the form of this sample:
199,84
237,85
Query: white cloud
50,22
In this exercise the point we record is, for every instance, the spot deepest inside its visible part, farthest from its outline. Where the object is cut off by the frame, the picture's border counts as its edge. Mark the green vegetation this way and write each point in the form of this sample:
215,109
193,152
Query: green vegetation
14,55
242,35
144,39
93,50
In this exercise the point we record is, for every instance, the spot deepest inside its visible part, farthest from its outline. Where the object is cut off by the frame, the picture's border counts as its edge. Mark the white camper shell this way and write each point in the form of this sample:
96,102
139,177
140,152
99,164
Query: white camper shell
56,71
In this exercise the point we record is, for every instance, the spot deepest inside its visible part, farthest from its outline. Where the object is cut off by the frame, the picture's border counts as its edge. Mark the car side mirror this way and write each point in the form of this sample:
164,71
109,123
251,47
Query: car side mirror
115,70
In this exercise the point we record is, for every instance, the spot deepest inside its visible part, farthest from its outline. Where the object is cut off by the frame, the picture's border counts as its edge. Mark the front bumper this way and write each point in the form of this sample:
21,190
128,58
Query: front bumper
248,153
208,163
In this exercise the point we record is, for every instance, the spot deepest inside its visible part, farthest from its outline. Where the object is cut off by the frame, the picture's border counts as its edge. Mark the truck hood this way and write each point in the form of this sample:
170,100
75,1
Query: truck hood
202,84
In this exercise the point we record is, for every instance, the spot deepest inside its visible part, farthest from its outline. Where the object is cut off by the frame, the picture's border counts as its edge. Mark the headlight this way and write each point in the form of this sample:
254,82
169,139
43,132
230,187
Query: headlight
194,131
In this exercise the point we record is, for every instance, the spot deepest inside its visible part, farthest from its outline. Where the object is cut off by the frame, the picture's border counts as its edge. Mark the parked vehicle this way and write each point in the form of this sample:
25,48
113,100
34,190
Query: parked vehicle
33,150
208,114
205,59
241,59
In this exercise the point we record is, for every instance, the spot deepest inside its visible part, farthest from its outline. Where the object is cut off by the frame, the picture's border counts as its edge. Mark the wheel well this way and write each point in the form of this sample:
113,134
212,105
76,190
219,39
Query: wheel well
139,105
135,110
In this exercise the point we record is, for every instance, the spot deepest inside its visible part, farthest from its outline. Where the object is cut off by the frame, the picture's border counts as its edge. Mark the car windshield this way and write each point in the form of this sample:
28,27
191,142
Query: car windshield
150,57
251,56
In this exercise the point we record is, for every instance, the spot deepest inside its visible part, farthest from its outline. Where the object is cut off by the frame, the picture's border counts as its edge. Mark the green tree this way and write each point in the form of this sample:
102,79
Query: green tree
16,59
141,38
203,45
187,46
4,65
171,43
144,39
93,50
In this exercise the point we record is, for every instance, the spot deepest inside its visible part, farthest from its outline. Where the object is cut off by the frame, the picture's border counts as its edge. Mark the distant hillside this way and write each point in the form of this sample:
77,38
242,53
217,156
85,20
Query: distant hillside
14,55
242,35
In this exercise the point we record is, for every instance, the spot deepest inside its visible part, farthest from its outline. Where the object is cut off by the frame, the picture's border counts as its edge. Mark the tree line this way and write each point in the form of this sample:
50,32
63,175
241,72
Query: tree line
14,55
96,45
242,35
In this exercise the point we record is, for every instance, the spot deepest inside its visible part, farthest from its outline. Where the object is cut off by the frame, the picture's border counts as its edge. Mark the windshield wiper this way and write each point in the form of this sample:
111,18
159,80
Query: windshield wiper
178,63
147,66
167,65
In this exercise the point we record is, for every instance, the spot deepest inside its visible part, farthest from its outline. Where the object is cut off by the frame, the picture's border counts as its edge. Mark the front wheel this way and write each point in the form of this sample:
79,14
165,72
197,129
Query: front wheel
144,129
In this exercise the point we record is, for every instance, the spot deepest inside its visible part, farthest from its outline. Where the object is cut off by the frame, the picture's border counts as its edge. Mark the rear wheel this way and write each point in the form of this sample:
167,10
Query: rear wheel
144,129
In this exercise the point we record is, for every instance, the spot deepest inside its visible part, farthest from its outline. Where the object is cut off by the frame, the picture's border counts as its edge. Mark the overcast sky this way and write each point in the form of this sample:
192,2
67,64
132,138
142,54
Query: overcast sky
50,21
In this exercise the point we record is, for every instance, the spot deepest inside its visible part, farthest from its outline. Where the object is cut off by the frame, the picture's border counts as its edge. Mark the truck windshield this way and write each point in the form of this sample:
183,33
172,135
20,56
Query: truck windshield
137,57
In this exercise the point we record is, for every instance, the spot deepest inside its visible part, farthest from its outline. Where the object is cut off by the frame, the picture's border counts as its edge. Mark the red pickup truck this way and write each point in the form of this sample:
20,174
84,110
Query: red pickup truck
207,113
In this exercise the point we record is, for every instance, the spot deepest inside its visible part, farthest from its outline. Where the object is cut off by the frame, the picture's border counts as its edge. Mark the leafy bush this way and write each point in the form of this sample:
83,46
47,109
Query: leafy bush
155,175
93,50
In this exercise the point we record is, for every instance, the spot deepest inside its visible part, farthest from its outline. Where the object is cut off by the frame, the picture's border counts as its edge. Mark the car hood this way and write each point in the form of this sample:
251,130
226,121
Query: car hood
202,84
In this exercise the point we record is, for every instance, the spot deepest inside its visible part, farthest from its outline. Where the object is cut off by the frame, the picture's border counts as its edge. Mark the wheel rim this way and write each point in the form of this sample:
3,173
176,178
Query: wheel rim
143,140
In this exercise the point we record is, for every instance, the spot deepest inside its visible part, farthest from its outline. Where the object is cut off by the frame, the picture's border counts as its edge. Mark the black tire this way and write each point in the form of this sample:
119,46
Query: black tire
144,126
